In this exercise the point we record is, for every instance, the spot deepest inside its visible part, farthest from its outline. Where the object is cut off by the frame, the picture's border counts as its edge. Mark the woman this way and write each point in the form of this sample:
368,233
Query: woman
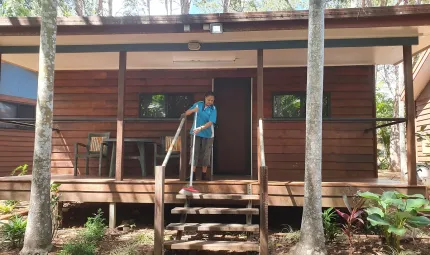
204,131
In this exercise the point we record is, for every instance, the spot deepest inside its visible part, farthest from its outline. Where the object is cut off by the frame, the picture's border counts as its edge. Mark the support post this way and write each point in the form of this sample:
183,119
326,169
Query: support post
0,66
120,117
183,155
264,211
259,102
112,215
159,211
410,115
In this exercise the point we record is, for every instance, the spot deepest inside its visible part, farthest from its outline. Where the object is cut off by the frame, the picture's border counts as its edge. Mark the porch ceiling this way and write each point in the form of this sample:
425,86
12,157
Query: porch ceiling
224,59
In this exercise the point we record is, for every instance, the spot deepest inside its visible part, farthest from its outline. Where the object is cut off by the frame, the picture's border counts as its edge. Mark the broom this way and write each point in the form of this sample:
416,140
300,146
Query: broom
190,190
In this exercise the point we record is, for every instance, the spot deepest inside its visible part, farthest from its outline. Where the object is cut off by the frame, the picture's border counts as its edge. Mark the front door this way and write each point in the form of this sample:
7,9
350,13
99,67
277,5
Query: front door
232,143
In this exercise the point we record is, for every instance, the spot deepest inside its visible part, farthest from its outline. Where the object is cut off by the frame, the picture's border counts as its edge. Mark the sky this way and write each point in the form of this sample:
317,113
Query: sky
157,7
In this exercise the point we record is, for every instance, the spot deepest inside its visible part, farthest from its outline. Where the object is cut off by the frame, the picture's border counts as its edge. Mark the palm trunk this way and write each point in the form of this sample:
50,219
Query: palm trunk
311,231
39,226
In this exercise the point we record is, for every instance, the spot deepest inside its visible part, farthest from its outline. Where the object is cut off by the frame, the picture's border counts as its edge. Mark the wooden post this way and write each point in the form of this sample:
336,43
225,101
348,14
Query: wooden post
159,211
120,117
410,115
112,215
264,211
259,102
183,155
0,66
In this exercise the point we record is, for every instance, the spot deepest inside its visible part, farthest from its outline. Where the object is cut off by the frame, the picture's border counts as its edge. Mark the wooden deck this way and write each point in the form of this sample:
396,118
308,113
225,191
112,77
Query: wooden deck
94,189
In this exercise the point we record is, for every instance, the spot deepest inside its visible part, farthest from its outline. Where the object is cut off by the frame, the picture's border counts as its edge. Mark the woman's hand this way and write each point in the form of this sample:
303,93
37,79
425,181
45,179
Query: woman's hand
197,130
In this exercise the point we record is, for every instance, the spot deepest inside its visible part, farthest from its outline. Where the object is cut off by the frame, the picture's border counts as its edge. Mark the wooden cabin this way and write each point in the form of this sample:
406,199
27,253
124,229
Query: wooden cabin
422,102
132,77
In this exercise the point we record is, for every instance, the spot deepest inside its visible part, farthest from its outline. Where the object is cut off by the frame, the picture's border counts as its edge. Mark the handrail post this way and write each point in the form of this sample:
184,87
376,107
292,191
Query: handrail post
159,211
183,154
264,211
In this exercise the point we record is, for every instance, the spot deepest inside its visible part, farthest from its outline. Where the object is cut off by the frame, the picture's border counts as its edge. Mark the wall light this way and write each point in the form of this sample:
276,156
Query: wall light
216,28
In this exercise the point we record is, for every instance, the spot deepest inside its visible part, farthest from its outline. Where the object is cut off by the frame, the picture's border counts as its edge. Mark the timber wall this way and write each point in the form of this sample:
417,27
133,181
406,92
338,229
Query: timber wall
423,120
348,152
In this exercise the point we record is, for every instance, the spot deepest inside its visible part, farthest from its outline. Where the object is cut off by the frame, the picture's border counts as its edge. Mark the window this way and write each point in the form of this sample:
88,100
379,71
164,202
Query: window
293,105
164,105
16,110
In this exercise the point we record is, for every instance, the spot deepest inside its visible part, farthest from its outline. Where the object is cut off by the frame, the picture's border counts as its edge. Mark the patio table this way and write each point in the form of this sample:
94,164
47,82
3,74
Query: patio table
140,145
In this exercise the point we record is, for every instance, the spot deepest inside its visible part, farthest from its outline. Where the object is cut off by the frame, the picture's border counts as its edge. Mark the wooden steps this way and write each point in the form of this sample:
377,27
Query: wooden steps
214,227
212,210
227,242
219,196
234,246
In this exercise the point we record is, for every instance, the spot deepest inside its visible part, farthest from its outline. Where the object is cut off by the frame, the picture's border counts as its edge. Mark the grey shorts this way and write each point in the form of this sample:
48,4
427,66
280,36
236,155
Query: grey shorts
203,151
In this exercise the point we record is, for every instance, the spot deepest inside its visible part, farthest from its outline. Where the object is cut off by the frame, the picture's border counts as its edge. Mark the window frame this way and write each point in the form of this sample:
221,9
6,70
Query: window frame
301,95
165,94
18,105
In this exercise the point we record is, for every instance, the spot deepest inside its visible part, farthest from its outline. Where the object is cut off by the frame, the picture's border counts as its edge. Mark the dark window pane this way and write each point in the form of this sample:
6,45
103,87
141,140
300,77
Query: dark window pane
26,111
178,104
152,106
164,105
287,106
8,110
294,105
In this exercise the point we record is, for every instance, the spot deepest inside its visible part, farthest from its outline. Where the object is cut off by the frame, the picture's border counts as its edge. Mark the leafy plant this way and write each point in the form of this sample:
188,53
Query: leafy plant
11,202
14,231
352,218
395,212
23,169
55,215
79,247
95,227
331,230
6,208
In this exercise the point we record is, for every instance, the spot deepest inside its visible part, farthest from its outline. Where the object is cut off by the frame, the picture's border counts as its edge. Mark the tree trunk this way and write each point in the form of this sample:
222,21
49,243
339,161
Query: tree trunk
148,5
100,8
166,5
402,128
110,7
394,130
312,239
171,7
39,226
79,7
185,6
225,4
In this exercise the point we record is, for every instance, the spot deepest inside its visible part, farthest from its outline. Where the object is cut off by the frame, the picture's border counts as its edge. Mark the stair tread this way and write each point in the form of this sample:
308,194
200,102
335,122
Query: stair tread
236,246
213,227
213,210
219,196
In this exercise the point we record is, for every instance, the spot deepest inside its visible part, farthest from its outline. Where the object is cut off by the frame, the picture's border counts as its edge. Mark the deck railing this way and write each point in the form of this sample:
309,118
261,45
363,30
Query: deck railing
159,188
263,181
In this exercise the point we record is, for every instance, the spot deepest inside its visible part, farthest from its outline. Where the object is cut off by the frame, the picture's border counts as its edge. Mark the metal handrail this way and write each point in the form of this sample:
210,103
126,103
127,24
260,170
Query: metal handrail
169,152
261,138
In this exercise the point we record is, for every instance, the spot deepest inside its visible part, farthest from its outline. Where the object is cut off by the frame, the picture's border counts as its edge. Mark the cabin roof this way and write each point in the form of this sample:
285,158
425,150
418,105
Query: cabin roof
422,73
373,36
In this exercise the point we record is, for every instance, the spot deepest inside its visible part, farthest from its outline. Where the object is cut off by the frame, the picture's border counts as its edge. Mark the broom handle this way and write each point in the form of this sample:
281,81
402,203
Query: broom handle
194,147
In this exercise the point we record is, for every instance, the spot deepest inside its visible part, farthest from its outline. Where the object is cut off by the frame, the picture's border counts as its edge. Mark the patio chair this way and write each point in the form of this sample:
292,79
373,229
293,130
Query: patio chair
92,150
160,150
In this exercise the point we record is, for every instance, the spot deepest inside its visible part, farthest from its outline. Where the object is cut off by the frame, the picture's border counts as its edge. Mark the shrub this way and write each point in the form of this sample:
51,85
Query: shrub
95,227
14,231
4,209
395,213
79,247
331,230
352,218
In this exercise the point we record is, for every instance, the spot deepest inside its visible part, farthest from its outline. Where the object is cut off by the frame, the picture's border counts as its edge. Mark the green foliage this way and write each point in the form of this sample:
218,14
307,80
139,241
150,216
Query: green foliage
331,230
352,218
22,170
395,212
95,227
145,238
14,231
79,247
86,243
4,209
11,202
384,109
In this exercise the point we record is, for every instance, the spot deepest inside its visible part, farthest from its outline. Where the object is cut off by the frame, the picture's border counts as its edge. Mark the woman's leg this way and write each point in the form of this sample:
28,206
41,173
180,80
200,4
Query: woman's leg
205,153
